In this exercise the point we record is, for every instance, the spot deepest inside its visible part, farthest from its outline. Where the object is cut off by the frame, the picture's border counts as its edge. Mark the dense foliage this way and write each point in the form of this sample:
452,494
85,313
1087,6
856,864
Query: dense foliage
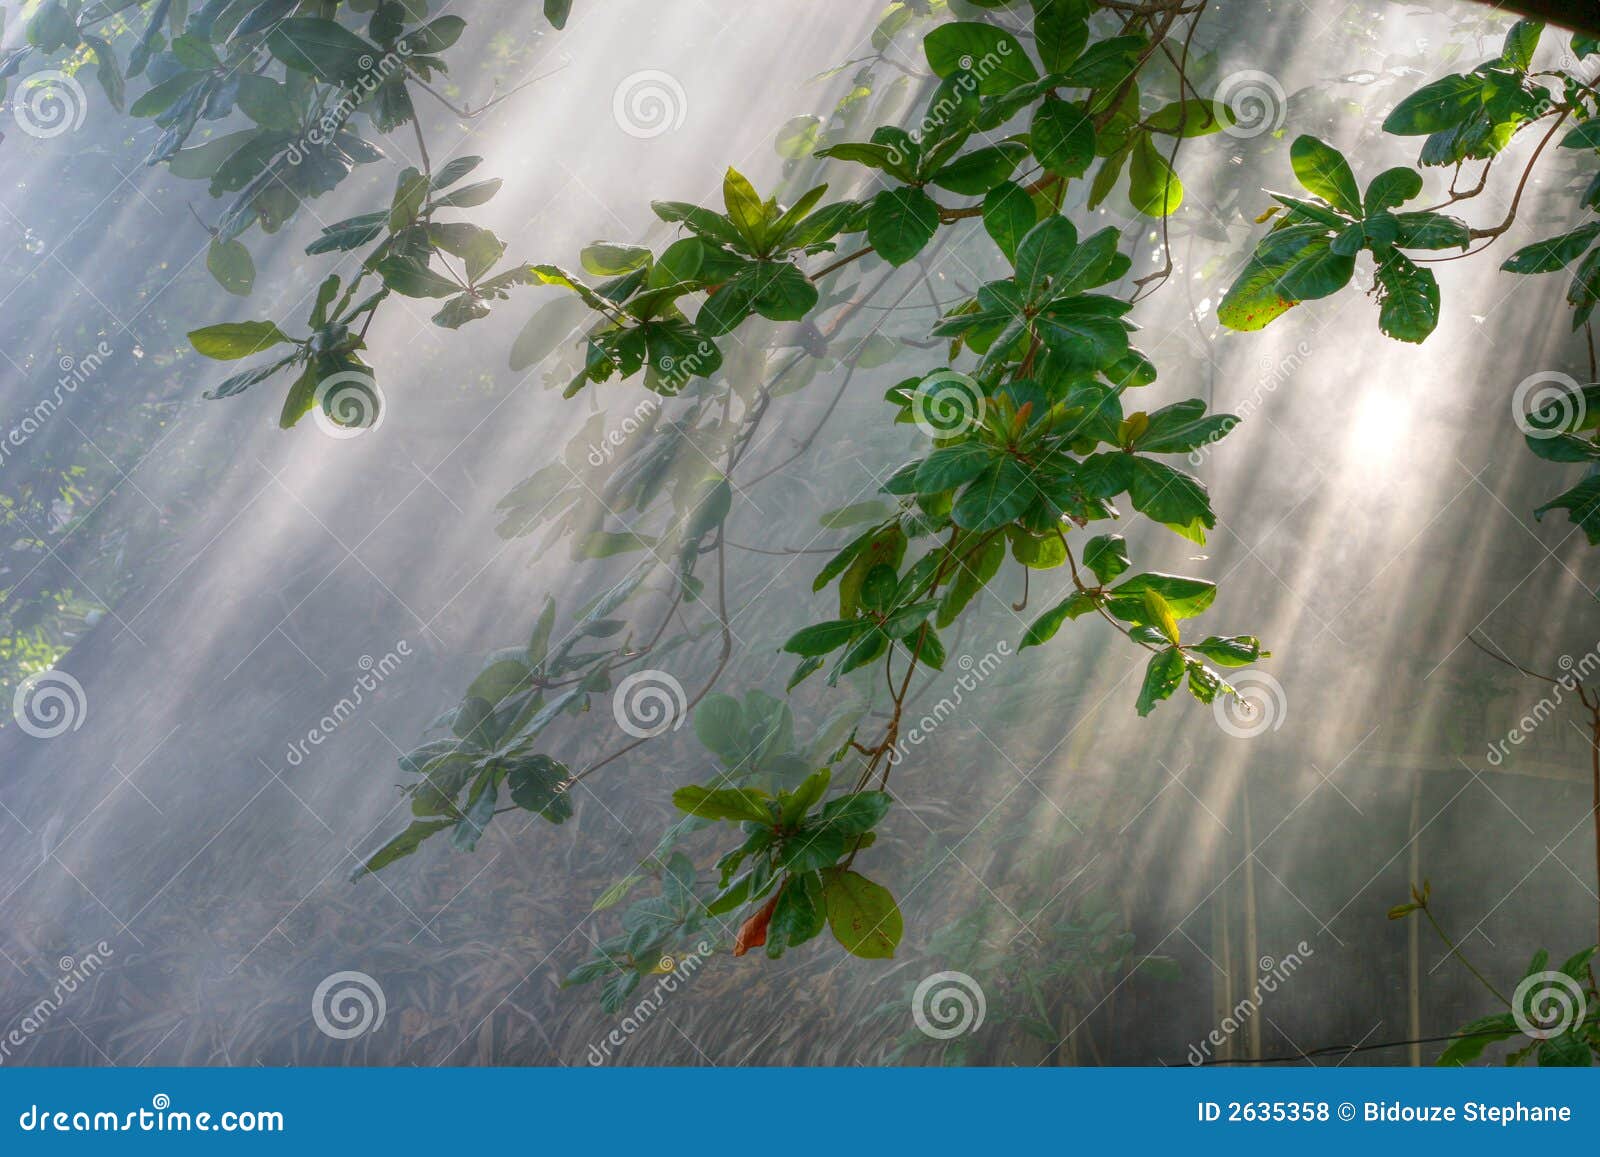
1032,117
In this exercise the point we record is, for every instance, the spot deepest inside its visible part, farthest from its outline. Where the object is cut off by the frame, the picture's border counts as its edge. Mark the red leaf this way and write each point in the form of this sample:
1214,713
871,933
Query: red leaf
753,932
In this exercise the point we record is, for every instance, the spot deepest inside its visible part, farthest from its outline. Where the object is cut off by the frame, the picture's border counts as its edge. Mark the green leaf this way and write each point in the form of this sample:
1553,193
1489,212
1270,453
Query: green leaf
974,174
452,171
1046,625
862,915
799,914
1185,597
1582,504
477,247
878,588
1161,678
900,222
1043,255
404,844
1182,426
1256,298
1553,253
1583,136
951,466
537,785
1410,299
1317,271
856,813
1568,1050
997,495
992,54
1472,1038
410,190
323,48
412,277
1190,118
1106,555
607,260
1159,615
1428,231
866,649
1445,104
1392,188
469,195
1173,497
820,638
780,291
1060,31
267,102
1062,136
1008,215
232,340
557,11
804,797
1231,650
435,36
1106,64
1153,188
1521,43
107,70
1322,169
729,803
229,262
745,208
